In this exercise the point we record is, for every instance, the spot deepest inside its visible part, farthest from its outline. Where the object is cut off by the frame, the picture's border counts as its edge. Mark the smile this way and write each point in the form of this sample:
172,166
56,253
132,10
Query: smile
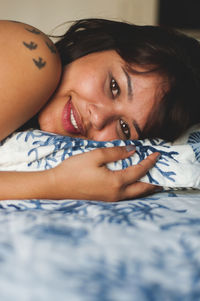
71,120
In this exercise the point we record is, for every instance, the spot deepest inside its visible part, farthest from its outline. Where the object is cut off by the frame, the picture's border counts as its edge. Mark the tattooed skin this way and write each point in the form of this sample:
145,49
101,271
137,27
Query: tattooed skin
31,45
51,47
33,30
39,63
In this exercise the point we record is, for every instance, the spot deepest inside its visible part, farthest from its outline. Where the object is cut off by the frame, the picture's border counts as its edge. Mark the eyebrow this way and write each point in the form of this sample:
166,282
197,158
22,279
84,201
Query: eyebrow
130,96
129,84
137,128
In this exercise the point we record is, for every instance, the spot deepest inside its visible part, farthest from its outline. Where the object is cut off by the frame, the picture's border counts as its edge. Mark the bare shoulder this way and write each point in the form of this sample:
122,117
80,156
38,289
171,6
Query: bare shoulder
30,72
23,39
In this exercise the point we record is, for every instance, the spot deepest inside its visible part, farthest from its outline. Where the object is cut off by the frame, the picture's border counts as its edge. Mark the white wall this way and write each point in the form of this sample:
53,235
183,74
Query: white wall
47,14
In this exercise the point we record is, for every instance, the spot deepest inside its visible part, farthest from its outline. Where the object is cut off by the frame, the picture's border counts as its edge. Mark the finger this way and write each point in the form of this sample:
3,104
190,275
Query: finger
139,189
111,154
136,172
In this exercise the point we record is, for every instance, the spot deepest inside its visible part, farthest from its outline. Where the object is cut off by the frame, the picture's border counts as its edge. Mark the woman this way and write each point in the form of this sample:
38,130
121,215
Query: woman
118,81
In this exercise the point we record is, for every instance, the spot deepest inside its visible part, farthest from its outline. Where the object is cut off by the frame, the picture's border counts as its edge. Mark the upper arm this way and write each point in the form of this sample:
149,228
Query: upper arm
30,71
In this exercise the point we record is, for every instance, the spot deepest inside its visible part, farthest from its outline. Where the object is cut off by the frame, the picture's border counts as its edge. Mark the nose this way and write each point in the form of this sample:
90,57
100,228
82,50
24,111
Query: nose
100,115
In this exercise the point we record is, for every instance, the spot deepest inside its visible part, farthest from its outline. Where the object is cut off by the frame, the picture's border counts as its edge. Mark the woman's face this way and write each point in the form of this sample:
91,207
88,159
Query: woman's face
98,99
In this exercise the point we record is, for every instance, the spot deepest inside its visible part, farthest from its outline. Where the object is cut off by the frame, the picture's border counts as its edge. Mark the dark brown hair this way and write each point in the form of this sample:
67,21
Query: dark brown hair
171,54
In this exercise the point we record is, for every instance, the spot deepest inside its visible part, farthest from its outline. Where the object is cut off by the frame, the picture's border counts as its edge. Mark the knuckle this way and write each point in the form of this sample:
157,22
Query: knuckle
116,183
101,152
140,164
146,164
142,168
115,189
150,160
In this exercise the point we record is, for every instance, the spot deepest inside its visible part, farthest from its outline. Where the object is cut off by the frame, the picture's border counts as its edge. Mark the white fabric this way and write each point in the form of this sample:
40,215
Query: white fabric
178,167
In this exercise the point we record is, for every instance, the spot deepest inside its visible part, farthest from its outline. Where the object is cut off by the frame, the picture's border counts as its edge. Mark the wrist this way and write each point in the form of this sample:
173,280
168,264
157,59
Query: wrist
25,185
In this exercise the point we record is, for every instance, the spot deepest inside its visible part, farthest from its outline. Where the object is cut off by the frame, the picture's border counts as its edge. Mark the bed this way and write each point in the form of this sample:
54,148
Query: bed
133,250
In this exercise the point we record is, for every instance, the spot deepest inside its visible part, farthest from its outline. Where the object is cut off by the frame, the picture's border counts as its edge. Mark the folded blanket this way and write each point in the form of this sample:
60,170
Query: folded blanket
178,167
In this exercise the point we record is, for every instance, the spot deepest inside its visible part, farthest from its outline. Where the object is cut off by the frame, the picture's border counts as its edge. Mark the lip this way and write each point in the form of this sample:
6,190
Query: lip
66,119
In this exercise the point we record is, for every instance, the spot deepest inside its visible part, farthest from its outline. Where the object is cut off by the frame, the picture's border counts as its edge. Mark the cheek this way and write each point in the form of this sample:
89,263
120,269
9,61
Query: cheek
107,134
50,116
83,81
88,87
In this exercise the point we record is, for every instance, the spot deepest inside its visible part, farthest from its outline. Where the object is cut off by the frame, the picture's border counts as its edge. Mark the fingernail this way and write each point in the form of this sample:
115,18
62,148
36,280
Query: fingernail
159,189
130,148
158,157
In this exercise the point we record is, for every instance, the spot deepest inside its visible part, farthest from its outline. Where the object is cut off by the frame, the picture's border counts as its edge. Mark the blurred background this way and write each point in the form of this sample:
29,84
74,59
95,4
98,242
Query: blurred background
47,14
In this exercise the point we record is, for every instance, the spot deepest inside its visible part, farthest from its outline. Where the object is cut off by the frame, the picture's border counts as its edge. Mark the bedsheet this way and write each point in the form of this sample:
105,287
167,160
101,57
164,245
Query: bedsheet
135,250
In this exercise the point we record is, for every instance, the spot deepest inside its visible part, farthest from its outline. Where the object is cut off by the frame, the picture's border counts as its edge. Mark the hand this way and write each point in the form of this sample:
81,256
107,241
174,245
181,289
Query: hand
86,176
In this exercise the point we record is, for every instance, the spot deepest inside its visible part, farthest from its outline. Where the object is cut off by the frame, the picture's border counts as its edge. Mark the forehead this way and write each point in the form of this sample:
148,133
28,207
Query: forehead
103,57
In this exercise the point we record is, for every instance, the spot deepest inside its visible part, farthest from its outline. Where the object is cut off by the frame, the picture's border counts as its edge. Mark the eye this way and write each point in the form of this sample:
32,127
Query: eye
125,128
114,88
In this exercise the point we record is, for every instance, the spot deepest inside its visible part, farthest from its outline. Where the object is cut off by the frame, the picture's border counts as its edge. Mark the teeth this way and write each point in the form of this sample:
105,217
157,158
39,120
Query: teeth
73,121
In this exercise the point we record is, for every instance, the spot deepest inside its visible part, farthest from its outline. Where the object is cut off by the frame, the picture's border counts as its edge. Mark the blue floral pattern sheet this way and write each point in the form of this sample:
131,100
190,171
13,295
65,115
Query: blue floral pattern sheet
178,167
136,250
